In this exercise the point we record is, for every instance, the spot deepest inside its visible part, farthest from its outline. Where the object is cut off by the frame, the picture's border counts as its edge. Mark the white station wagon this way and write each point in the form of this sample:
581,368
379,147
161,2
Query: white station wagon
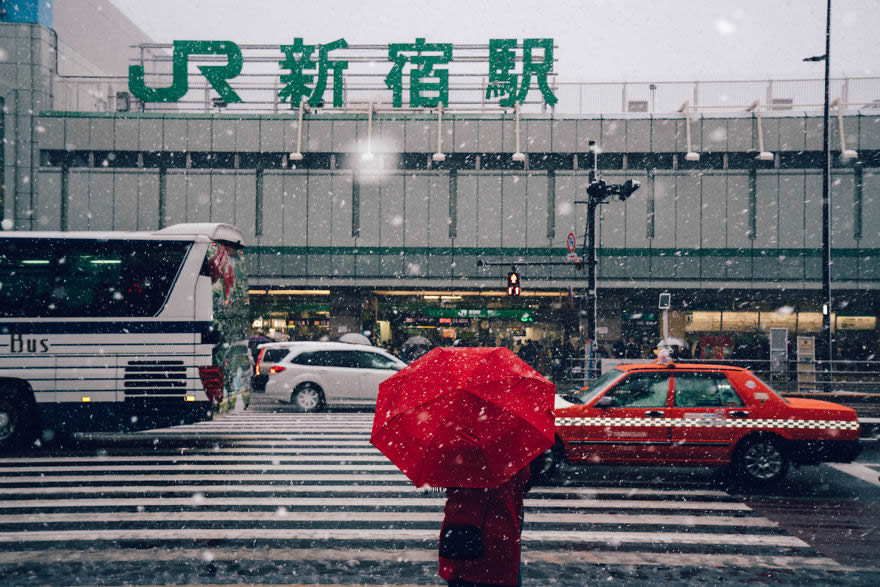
314,375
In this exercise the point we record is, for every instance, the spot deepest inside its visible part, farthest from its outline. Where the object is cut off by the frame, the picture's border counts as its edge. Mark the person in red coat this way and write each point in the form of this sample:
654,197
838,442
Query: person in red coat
499,512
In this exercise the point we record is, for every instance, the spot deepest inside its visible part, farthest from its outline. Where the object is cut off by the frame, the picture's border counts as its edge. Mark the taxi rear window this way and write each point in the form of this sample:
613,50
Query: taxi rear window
705,390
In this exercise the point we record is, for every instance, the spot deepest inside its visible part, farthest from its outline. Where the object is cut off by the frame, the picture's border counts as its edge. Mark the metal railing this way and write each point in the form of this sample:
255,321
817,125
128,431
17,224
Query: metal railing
259,93
783,377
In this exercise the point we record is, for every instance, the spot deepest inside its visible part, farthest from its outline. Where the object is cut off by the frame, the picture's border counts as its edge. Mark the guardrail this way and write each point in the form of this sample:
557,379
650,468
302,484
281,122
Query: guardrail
785,377
259,93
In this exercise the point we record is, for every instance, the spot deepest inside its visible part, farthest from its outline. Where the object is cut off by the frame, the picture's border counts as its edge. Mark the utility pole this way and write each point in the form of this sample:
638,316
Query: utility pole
598,192
826,208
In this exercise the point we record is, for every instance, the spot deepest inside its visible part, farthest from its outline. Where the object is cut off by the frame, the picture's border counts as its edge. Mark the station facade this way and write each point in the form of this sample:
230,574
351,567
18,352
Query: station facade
354,224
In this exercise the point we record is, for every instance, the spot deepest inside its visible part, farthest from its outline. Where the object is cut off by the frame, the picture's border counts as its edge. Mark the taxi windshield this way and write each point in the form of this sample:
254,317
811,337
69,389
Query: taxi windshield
771,390
599,385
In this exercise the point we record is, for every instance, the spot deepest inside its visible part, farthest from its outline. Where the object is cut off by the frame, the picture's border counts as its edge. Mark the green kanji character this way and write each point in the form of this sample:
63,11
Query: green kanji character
423,78
297,84
502,79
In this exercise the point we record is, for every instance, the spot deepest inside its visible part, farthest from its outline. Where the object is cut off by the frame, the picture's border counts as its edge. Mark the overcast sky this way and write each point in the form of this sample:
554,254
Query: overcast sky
598,40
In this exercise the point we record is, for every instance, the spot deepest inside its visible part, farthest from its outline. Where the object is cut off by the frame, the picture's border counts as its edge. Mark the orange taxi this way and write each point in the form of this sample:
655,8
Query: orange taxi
698,415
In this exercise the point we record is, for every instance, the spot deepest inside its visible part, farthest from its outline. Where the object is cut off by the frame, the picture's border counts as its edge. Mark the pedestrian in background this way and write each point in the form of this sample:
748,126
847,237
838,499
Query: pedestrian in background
632,350
529,353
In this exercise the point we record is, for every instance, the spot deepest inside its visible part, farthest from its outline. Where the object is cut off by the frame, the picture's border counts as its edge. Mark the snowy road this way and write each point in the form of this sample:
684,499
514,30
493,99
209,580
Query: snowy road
262,497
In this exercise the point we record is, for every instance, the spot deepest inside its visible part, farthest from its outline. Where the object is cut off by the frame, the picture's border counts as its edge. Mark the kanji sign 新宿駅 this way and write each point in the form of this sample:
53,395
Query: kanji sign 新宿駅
307,71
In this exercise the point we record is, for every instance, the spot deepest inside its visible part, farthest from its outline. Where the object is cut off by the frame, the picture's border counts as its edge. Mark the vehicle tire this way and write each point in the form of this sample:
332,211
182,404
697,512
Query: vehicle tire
760,462
548,464
17,419
308,397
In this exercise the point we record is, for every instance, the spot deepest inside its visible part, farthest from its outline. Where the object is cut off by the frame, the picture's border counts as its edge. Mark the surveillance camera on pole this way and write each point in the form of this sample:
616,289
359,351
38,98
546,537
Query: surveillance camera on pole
627,189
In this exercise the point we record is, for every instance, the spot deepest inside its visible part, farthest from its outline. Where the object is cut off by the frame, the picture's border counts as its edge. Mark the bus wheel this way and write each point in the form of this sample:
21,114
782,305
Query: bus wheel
17,426
308,397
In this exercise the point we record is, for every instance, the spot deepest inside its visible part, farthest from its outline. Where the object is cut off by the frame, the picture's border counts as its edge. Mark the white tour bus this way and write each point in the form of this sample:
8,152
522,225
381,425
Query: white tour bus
111,331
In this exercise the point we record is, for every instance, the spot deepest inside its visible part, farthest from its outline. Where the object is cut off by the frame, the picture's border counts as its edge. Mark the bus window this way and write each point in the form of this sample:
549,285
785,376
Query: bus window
87,278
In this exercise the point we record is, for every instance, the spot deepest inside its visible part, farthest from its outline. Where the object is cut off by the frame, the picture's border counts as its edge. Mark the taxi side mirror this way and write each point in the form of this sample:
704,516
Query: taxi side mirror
604,402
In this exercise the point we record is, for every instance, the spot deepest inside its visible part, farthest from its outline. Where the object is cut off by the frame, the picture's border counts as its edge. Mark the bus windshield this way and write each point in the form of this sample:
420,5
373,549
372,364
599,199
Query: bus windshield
87,278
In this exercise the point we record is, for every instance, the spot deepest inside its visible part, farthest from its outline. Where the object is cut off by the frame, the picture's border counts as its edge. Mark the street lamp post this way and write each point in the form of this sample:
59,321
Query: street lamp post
826,206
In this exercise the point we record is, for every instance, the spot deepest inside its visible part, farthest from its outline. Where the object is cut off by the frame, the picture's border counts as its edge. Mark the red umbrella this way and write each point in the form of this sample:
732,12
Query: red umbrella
464,417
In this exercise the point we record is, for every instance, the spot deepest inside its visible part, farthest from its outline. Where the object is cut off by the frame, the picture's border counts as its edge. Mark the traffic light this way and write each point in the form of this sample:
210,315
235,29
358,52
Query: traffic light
627,189
513,283
598,189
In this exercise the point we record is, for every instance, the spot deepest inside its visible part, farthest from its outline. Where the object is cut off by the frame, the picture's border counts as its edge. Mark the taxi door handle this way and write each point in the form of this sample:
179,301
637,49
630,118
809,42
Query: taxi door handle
654,413
738,414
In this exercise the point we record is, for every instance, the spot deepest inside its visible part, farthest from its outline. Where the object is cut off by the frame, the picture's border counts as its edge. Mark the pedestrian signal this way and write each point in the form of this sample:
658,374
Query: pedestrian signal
513,283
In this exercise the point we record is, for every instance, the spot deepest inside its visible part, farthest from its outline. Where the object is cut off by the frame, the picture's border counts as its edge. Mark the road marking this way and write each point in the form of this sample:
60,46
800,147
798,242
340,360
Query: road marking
345,455
207,501
291,466
858,471
397,534
253,477
631,491
435,516
263,440
226,453
377,489
592,557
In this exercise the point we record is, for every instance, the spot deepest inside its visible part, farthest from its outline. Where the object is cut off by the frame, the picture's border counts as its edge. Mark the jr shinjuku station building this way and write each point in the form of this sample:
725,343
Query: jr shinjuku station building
371,181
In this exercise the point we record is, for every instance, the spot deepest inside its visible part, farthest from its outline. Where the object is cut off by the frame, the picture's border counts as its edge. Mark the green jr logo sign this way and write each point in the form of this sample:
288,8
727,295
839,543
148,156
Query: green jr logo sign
307,68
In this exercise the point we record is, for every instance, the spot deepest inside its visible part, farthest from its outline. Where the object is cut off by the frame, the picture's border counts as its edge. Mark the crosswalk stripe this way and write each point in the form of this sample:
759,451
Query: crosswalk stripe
375,489
396,534
435,516
231,454
579,558
292,441
291,466
179,477
204,500
858,471
160,461
251,433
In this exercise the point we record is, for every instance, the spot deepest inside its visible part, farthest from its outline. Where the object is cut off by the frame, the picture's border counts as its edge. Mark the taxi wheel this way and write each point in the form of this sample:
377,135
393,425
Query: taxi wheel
761,462
308,398
548,464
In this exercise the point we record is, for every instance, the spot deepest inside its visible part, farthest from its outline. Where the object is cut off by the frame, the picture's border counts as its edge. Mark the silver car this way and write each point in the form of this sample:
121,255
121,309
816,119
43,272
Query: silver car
314,375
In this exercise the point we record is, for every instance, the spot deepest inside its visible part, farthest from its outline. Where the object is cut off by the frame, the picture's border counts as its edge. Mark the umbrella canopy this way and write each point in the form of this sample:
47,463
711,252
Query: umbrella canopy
464,417
417,341
354,338
672,341
258,339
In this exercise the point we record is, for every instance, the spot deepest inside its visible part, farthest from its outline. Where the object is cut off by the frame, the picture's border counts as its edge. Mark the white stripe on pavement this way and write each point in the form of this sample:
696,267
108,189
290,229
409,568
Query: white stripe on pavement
435,516
859,471
207,501
189,458
260,440
262,488
225,478
591,557
397,534
224,453
293,465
